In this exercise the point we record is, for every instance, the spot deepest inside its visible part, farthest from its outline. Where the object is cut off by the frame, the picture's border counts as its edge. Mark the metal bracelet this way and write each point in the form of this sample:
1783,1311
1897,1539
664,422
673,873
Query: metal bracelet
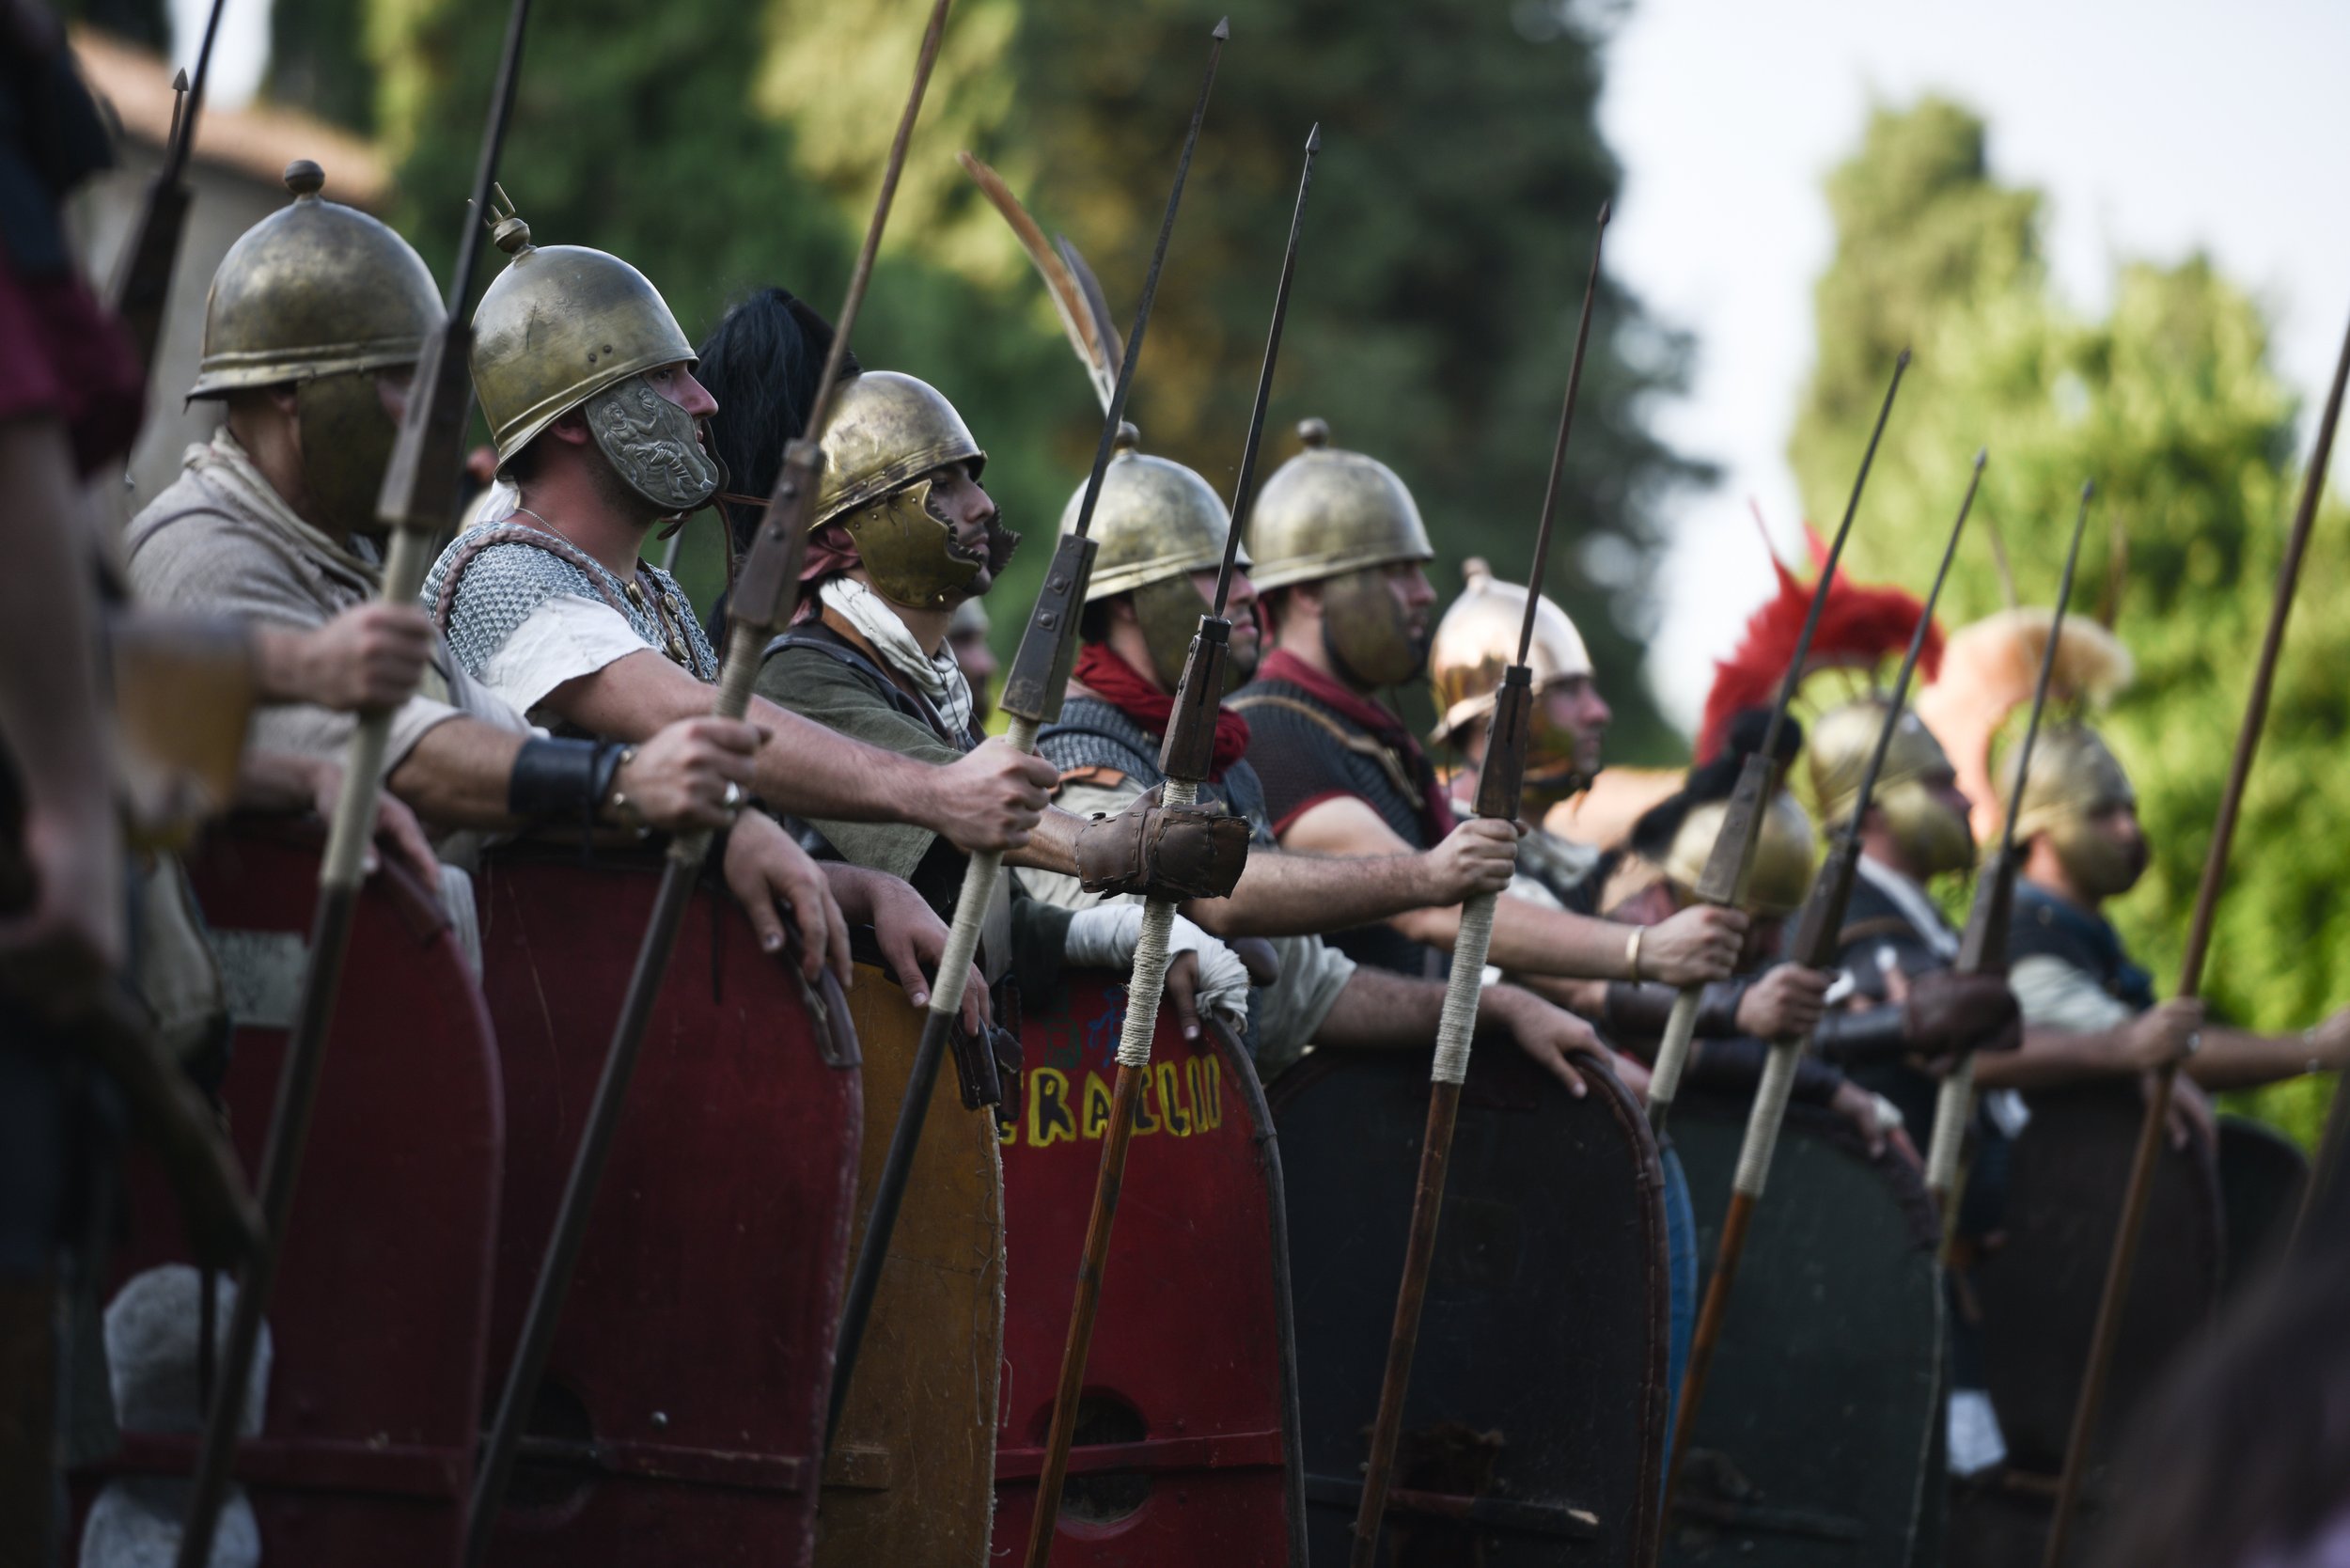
631,815
1632,954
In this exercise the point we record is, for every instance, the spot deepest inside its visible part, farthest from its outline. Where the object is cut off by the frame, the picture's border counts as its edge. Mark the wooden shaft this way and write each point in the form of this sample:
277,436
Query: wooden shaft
1953,1107
1673,1057
2317,1196
1091,1265
2117,1287
1420,1252
905,1137
1709,1334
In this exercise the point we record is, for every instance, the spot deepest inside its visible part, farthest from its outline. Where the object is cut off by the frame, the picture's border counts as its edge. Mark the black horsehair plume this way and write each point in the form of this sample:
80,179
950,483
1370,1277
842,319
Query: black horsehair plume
1652,835
762,362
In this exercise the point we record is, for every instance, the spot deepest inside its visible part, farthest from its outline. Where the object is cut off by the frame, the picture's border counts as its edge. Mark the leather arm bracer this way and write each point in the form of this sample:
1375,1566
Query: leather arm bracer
1169,853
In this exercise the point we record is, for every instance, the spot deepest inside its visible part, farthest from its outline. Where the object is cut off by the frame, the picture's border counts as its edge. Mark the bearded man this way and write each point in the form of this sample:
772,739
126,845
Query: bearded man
312,328
1340,550
587,385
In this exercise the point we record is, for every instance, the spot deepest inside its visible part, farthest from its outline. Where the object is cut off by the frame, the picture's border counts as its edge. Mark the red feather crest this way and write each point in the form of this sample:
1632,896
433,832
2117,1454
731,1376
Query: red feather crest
1860,629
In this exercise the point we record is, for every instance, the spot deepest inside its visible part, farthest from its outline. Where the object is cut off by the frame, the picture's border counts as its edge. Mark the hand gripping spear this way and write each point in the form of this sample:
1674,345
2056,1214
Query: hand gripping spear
1731,862
1032,697
143,276
1982,949
417,501
1814,947
1185,759
763,602
2150,1131
1498,790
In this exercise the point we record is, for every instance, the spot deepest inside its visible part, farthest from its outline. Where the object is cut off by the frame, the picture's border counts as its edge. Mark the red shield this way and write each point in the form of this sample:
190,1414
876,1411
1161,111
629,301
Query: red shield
381,1303
683,1404
1186,1451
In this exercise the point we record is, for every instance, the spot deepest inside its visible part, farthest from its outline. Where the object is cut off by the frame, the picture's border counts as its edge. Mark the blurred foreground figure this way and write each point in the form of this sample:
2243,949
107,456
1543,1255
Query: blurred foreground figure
2244,1461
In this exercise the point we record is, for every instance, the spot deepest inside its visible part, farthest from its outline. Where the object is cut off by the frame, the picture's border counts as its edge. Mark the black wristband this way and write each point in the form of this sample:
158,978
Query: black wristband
558,779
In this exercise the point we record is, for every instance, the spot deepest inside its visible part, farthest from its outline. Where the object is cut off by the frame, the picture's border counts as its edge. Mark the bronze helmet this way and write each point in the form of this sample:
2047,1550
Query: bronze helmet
884,436
1155,524
2075,778
1783,855
316,289
1934,835
1478,640
563,324
322,297
1341,518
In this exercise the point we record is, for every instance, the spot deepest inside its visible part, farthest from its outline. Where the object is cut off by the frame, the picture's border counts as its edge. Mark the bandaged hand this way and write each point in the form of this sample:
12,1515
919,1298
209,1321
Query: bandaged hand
1202,974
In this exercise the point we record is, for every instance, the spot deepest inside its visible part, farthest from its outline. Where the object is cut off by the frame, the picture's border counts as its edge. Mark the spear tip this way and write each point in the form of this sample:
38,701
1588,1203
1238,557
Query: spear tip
1604,209
1982,455
1902,362
1223,30
179,83
1314,138
2089,488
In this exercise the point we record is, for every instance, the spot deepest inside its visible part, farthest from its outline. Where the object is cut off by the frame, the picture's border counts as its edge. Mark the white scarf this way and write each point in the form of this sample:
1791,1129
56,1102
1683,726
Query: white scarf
936,675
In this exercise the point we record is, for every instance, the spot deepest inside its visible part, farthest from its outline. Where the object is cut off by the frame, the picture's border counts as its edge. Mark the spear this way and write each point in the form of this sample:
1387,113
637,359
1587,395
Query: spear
762,601
1814,947
1032,698
1982,949
1731,862
1498,787
143,277
1185,759
417,501
2150,1131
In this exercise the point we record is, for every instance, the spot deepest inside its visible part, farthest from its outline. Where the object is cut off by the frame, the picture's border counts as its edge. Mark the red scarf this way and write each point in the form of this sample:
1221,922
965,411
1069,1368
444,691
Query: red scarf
1436,810
1119,685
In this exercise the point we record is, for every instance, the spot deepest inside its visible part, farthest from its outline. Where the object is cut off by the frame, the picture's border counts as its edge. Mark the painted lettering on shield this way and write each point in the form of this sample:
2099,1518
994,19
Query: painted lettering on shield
1068,1079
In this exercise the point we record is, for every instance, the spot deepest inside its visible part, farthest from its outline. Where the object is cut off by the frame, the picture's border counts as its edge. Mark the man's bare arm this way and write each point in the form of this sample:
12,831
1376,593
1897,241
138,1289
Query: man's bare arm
990,800
1696,945
1292,895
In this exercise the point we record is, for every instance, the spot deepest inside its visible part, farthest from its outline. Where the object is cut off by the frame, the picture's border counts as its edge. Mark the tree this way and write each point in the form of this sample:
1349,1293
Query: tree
2172,405
722,149
318,61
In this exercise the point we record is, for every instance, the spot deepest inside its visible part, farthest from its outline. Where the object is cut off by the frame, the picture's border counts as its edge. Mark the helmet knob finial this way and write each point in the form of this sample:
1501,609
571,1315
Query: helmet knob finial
507,231
1315,433
1476,571
1129,437
304,179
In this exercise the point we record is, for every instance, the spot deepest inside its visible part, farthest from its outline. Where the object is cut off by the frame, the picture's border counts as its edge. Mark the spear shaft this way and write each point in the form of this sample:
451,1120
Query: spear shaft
2199,932
1033,693
1499,785
1731,862
1982,949
142,291
1185,759
419,499
1814,947
762,601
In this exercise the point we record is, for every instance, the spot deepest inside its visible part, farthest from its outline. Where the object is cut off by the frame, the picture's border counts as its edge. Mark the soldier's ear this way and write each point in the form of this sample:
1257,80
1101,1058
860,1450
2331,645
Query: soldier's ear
571,429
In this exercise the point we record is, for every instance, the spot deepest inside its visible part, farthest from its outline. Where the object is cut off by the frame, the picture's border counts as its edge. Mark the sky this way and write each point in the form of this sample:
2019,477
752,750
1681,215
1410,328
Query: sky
2156,128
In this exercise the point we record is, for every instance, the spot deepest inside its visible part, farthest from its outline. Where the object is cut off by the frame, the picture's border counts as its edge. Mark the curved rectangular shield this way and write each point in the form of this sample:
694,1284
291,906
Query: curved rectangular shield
1535,1427
683,1405
1185,1447
378,1320
912,1472
1820,1438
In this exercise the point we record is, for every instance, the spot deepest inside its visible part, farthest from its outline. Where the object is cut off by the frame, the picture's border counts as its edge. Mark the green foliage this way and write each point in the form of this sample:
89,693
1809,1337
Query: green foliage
2172,405
722,147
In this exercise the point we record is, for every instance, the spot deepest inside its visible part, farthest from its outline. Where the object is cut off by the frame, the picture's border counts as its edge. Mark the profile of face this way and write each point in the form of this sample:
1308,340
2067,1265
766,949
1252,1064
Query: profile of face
1572,710
1377,622
2105,851
978,666
1242,610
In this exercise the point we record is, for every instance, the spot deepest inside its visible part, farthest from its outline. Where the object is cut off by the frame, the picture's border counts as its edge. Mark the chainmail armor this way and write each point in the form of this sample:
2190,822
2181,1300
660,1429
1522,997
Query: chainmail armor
503,584
1091,733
